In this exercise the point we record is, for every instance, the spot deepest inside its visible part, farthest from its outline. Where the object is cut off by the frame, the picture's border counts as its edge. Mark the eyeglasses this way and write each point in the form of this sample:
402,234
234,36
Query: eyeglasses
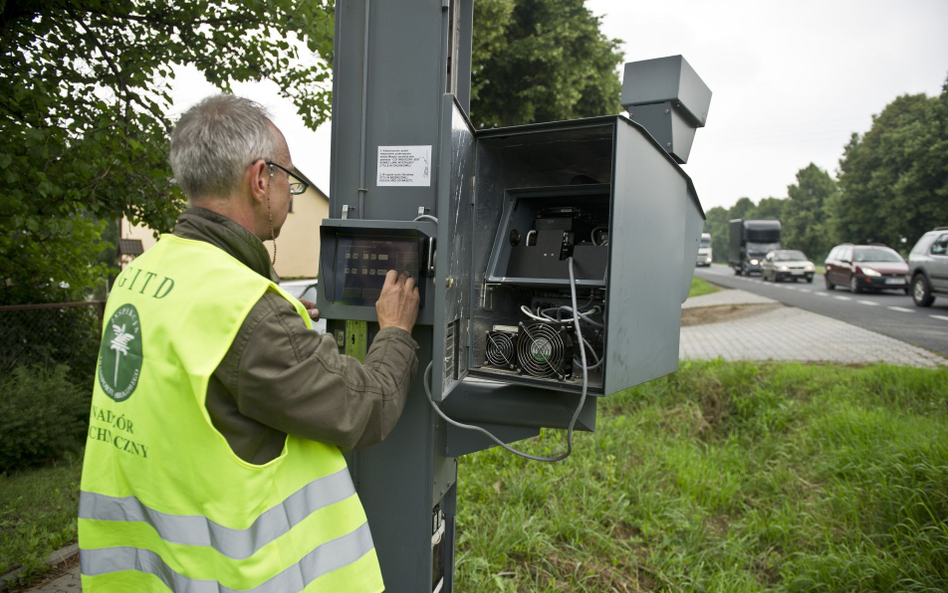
297,185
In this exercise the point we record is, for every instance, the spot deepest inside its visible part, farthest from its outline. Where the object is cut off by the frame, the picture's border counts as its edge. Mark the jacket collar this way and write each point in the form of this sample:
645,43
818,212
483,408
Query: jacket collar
201,224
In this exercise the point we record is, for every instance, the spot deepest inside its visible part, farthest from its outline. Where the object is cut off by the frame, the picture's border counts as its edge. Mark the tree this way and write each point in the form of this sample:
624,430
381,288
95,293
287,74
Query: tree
540,60
741,209
767,209
894,179
804,216
83,93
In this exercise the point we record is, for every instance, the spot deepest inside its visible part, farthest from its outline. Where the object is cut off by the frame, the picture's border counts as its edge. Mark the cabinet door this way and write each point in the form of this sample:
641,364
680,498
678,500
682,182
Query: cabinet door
453,250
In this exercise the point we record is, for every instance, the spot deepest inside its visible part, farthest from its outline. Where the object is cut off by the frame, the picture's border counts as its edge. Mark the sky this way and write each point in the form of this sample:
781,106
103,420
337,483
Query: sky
791,81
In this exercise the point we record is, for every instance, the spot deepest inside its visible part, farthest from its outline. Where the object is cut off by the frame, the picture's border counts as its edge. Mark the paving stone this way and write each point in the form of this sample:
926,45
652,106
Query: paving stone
788,333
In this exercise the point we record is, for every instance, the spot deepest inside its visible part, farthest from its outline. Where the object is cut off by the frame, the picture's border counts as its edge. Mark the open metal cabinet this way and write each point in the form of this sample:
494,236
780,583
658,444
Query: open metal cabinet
513,204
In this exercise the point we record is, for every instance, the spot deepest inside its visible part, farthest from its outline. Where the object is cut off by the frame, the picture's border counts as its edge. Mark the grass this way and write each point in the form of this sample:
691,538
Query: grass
731,477
725,477
700,287
37,515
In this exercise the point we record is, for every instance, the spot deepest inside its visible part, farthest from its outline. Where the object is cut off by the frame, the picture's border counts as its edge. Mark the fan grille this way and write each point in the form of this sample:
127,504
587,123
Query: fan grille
542,350
500,349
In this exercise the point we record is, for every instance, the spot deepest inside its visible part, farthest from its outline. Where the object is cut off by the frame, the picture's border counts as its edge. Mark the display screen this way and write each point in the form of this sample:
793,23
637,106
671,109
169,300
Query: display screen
362,262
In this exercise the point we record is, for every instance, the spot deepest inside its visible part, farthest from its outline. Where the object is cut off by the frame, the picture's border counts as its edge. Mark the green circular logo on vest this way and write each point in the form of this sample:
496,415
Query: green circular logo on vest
120,355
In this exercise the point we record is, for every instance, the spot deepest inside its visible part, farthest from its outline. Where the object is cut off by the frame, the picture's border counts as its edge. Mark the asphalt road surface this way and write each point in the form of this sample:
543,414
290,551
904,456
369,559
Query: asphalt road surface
890,312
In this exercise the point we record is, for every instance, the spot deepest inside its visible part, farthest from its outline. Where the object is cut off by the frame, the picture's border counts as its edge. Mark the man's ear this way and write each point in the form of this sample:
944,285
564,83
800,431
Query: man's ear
258,178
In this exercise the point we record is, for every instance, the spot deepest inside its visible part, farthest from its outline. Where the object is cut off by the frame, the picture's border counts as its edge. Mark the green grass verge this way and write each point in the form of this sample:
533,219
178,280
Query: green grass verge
700,287
725,477
37,515
721,477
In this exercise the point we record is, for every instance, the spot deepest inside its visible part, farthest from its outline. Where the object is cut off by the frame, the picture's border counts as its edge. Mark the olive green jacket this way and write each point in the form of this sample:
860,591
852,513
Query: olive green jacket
279,378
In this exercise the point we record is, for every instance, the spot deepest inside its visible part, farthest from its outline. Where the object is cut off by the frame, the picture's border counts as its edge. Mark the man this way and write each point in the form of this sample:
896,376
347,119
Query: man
213,459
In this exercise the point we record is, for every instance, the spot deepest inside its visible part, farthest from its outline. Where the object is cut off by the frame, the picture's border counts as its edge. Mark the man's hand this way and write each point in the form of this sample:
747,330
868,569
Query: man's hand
311,309
398,304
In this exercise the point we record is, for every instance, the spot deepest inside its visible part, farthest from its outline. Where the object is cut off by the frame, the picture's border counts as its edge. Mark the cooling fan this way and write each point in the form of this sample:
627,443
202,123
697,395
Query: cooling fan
501,349
544,350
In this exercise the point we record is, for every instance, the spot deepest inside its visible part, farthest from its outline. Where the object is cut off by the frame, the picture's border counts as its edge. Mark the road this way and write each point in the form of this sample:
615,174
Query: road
891,313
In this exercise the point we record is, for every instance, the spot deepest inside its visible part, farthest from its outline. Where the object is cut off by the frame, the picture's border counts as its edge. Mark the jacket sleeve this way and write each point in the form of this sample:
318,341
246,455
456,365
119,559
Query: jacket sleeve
295,380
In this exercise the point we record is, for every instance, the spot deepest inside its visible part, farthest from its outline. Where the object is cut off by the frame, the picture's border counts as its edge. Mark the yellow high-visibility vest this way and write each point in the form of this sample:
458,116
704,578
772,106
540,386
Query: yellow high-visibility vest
165,504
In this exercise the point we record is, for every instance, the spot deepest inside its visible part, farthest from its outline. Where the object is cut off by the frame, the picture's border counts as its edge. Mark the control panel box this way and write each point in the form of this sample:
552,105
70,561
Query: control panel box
355,257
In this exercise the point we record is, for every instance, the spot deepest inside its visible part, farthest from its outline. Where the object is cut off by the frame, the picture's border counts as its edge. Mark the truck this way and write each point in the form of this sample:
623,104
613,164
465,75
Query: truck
750,241
704,251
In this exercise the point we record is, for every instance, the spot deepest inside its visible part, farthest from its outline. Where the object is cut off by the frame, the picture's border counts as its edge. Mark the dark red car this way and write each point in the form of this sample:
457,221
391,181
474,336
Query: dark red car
865,267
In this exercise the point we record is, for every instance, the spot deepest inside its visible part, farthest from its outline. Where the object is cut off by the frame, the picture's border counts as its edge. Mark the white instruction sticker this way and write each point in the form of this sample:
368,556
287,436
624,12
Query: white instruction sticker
404,165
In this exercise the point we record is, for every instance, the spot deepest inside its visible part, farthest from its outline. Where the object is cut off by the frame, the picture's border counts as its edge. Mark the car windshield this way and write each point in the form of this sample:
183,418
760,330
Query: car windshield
879,254
789,256
762,247
706,242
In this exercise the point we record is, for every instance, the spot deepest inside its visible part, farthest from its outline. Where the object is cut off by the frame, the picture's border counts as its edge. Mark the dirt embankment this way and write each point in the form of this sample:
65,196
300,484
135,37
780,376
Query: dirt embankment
721,313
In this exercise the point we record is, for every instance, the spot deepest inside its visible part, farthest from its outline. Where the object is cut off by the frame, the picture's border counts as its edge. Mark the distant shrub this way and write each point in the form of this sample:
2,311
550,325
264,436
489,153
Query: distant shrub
42,416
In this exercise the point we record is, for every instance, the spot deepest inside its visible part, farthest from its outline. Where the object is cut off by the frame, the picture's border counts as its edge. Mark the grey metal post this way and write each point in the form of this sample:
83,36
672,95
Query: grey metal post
391,71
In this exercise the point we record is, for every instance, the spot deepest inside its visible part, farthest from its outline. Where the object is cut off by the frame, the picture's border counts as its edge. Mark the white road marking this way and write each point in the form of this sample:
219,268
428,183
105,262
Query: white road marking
870,303
804,290
942,317
901,309
843,298
820,294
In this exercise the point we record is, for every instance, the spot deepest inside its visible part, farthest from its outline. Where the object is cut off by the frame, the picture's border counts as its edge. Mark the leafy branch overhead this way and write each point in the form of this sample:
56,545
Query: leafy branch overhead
84,89
541,60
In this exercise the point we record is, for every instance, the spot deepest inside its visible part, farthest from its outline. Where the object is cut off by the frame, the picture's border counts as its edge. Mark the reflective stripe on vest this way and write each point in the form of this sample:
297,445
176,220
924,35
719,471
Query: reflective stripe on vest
328,557
195,530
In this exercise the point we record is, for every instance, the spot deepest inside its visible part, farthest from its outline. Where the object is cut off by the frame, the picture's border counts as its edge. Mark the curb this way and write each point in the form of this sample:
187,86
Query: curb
60,556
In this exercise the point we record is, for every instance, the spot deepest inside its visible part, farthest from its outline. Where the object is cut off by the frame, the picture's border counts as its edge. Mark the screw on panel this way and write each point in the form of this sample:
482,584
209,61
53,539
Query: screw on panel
667,110
449,281
668,144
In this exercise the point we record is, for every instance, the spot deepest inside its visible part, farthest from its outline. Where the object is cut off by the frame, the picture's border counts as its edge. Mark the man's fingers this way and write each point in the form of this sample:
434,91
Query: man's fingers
409,283
391,277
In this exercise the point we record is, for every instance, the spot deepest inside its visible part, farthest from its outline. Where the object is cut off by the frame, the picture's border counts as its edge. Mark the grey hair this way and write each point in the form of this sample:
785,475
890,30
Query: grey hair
216,140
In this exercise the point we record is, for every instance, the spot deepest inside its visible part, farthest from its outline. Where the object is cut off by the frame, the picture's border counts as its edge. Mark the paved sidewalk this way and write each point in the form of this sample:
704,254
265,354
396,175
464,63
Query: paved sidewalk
68,583
788,333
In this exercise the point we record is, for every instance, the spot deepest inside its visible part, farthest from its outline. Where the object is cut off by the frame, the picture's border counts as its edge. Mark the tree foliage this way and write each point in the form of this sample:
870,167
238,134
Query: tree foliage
540,60
804,216
768,209
83,96
894,179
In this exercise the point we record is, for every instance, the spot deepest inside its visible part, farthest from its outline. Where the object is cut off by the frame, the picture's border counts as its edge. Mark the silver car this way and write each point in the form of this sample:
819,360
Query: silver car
928,267
787,264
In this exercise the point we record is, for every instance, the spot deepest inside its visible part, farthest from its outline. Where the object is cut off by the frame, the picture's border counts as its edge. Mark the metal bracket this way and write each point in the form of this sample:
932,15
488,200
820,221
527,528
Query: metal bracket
431,257
345,212
488,289
422,210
